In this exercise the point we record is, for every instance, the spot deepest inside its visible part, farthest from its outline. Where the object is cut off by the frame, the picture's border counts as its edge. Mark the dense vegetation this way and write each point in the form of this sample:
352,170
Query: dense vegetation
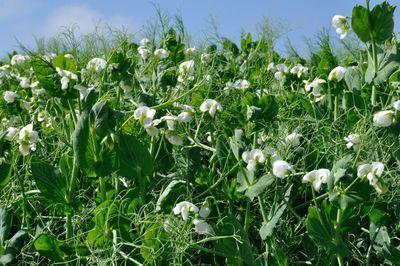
157,153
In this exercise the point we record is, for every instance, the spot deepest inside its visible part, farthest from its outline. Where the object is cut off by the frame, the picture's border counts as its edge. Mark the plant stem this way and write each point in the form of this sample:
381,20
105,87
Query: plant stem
336,110
103,189
263,209
70,197
247,217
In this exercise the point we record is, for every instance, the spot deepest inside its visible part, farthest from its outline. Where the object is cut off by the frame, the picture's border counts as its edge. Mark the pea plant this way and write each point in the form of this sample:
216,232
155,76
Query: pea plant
158,153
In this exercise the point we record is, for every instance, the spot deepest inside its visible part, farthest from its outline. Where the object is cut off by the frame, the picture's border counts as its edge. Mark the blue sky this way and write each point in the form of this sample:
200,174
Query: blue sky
23,19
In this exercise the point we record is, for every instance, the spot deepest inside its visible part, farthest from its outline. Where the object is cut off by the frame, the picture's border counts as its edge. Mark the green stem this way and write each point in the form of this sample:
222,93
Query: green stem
103,189
247,217
263,209
70,197
330,103
336,111
371,245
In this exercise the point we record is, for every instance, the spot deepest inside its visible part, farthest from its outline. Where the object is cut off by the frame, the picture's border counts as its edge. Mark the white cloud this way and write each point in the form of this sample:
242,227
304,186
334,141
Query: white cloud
82,16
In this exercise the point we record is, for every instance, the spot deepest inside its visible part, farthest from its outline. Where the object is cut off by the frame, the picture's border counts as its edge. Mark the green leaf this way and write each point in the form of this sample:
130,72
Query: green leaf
64,63
388,63
382,22
259,187
321,230
237,253
275,214
93,158
47,76
133,158
152,244
358,193
360,23
48,246
101,118
352,78
5,174
166,192
241,180
5,225
50,182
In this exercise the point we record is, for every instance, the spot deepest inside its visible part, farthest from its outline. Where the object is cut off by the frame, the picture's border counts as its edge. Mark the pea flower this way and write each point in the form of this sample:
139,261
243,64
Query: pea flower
383,118
190,50
19,59
204,211
144,52
66,77
24,82
161,53
27,139
282,168
145,115
144,41
187,114
353,141
184,208
212,106
337,73
396,105
371,171
315,86
252,158
242,84
203,228
340,24
186,71
317,178
293,139
12,132
299,70
10,96
97,64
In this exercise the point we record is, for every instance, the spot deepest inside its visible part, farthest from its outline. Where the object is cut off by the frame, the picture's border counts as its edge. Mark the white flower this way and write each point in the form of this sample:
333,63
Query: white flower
145,116
184,208
212,106
282,168
24,82
203,228
10,96
66,76
293,139
252,158
337,73
19,59
242,84
317,178
11,133
340,24
371,171
69,56
271,67
161,53
396,105
279,75
186,71
143,51
144,41
383,118
205,58
190,50
315,85
98,64
353,141
204,211
173,139
185,117
299,70
27,139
